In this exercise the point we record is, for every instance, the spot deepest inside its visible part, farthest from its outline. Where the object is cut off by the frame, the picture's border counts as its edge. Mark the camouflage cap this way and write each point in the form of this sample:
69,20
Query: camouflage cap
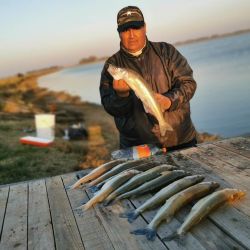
130,16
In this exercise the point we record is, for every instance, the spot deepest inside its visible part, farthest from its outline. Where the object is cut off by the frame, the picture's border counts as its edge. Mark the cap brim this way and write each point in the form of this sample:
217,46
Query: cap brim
132,24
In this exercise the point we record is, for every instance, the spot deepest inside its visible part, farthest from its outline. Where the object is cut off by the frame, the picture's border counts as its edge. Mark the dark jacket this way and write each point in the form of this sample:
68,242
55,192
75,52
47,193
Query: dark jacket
168,73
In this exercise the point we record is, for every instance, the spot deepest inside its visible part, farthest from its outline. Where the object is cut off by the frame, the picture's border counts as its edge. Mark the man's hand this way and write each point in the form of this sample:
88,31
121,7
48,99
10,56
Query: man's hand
163,101
121,88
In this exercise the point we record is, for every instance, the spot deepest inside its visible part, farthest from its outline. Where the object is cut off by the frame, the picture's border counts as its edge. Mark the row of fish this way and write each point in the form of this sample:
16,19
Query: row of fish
174,189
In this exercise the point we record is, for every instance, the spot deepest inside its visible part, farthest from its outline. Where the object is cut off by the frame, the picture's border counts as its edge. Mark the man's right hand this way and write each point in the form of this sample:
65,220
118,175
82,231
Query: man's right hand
121,88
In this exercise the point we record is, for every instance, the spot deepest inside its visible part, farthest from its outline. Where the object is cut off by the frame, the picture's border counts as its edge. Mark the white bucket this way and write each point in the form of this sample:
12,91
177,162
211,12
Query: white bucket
45,126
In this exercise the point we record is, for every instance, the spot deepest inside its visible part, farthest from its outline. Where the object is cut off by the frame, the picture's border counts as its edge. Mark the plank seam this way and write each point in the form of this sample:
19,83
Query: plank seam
200,162
1,232
72,212
96,212
230,150
50,214
226,232
147,221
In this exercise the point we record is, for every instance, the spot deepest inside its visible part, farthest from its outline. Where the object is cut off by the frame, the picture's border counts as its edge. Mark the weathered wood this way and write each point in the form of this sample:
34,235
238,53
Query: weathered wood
4,192
90,226
237,179
40,233
239,145
198,238
64,226
241,163
14,234
239,220
118,229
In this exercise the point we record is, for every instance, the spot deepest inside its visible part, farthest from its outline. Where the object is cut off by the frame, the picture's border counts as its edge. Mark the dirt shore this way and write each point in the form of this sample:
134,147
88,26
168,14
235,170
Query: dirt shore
20,99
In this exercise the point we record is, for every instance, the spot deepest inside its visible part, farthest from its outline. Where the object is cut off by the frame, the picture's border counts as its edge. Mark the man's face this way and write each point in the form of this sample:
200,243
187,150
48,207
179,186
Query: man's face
133,39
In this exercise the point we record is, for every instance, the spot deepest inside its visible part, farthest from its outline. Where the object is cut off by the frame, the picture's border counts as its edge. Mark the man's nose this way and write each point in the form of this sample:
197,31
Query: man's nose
131,33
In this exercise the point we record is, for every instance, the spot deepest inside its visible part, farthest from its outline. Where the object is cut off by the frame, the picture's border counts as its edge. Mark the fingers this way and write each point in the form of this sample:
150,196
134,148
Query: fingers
120,85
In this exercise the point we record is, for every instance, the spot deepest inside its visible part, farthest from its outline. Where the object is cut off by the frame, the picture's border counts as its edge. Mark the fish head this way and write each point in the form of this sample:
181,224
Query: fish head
214,185
236,195
116,72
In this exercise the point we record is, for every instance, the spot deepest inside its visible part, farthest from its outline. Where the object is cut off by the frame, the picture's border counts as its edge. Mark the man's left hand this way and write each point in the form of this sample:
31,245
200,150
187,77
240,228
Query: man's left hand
163,101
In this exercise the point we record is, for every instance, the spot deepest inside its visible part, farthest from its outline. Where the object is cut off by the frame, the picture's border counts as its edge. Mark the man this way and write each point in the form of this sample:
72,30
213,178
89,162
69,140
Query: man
167,73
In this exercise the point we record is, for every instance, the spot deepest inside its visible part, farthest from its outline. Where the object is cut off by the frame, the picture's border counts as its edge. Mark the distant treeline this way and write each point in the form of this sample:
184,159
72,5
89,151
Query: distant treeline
200,39
91,59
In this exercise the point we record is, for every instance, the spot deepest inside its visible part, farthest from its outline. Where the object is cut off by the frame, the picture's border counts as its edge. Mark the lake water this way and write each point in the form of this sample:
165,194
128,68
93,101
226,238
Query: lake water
221,104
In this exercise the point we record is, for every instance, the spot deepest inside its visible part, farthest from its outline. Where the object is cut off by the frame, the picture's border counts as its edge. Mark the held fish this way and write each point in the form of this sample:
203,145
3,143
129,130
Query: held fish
164,179
143,92
173,204
204,206
138,180
109,187
160,197
96,173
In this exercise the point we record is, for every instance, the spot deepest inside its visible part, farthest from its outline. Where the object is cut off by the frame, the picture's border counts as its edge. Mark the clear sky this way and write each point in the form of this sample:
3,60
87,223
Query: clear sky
36,34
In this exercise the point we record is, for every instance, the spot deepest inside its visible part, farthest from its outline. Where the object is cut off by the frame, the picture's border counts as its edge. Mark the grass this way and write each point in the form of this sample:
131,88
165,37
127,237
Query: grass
20,99
20,162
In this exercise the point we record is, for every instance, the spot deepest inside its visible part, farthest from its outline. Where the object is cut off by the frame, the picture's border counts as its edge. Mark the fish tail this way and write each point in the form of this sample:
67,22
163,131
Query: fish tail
164,127
131,215
175,236
149,232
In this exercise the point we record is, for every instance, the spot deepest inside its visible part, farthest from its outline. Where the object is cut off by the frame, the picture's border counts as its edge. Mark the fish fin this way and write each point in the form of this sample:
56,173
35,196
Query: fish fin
94,189
131,215
80,175
165,172
107,203
147,110
164,127
171,236
140,231
180,238
69,187
149,232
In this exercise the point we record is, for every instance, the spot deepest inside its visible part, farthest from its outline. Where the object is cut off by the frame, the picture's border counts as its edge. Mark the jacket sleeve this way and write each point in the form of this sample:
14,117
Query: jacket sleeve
112,103
183,85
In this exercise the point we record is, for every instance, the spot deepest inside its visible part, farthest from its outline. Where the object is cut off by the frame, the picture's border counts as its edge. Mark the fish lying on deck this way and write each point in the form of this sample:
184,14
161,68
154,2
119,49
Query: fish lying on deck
116,170
139,165
160,197
173,204
109,187
143,92
138,180
96,173
204,206
163,180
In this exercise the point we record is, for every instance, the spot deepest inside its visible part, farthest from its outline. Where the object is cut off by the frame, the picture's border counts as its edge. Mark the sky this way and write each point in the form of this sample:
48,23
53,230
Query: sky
37,34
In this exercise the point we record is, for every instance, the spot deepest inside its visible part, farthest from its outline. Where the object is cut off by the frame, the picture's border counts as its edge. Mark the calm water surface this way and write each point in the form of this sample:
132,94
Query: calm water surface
221,104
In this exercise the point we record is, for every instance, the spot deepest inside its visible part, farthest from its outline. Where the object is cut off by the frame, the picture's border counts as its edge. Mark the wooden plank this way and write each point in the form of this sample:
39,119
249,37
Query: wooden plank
4,193
239,145
14,234
64,225
91,229
40,233
239,220
231,174
166,229
203,235
241,163
119,229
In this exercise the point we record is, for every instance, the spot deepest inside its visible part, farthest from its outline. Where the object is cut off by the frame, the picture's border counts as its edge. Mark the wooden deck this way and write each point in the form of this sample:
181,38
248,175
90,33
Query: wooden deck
39,214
